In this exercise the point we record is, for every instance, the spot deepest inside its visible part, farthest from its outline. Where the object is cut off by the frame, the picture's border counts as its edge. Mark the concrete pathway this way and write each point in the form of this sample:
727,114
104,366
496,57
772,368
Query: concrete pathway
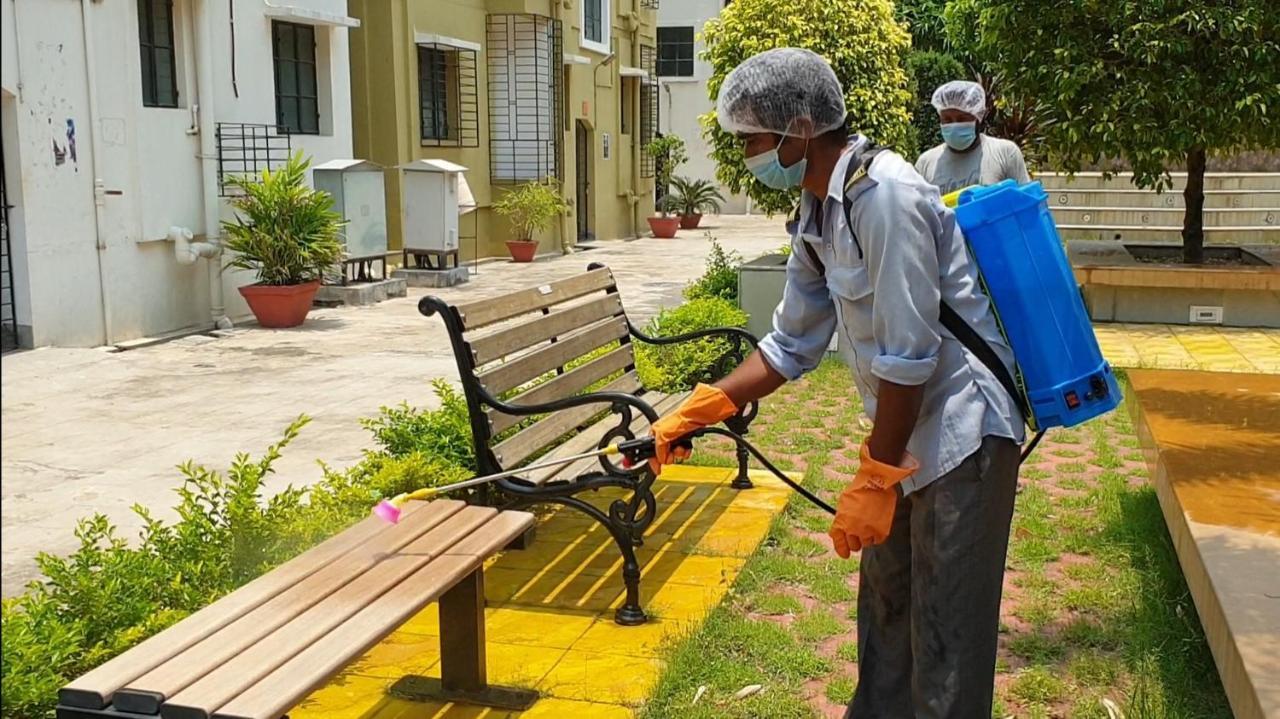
87,430
1213,442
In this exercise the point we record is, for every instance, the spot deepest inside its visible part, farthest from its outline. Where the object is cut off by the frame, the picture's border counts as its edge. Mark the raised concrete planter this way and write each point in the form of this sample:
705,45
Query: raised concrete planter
432,278
364,293
1119,288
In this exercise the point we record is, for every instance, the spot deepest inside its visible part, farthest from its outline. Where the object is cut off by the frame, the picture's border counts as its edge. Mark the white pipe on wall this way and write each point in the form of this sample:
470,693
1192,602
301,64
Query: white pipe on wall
95,151
186,251
208,159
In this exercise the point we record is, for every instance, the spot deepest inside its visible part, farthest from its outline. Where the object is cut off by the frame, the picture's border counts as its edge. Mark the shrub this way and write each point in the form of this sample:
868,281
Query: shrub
693,197
720,279
531,207
672,368
444,433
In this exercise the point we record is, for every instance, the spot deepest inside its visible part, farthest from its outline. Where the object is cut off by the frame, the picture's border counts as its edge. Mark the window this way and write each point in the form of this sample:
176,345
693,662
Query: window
297,103
433,93
624,105
448,102
525,97
675,51
595,25
155,40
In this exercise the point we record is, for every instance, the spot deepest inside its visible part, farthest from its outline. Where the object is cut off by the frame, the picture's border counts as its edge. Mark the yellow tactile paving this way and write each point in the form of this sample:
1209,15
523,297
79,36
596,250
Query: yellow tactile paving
550,608
1211,349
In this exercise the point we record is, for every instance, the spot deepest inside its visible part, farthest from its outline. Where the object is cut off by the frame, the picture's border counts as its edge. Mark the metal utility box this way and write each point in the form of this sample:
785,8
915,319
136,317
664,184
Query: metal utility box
359,195
760,285
430,197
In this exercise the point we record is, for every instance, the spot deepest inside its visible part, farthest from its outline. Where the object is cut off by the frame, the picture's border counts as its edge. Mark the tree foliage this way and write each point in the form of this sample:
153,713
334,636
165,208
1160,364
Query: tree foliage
924,20
861,39
1154,83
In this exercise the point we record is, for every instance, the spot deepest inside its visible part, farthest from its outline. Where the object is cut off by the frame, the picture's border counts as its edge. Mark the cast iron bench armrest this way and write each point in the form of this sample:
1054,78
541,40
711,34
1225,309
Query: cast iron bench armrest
736,333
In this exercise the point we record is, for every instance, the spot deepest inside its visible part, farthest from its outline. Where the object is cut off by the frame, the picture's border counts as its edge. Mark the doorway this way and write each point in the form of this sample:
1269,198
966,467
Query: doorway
582,152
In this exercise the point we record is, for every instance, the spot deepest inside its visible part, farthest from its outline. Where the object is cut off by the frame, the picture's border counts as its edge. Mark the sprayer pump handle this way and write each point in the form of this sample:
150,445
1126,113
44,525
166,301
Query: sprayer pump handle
639,450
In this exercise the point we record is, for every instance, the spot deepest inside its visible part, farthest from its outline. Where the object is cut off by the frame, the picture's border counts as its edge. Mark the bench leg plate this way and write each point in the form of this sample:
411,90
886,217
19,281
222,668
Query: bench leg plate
422,689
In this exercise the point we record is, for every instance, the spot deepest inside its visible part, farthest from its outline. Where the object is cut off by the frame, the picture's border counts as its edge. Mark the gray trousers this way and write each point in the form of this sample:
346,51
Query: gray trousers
929,597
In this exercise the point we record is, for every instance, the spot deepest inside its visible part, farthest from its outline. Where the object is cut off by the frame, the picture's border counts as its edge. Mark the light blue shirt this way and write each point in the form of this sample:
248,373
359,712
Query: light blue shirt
881,293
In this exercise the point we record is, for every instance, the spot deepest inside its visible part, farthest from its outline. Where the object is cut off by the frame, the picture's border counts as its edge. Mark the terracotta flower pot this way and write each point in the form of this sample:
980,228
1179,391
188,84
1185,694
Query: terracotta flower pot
282,305
690,222
522,250
664,227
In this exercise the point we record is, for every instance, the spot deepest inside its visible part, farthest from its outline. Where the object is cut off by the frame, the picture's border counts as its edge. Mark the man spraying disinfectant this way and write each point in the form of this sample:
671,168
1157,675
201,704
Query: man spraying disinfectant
878,258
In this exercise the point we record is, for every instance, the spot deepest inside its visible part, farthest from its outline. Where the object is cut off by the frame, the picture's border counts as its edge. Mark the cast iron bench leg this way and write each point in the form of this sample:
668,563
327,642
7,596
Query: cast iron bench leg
740,425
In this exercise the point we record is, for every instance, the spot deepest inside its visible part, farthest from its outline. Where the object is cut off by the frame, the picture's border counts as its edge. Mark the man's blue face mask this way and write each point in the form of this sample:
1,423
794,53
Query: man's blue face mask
768,169
960,135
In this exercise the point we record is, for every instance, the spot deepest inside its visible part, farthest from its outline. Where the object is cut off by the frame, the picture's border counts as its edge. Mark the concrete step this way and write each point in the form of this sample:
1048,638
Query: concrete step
1163,216
1149,233
1123,181
1114,197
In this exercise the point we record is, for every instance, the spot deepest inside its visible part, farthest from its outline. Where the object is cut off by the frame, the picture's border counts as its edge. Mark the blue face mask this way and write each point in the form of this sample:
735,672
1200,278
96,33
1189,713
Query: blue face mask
960,135
768,169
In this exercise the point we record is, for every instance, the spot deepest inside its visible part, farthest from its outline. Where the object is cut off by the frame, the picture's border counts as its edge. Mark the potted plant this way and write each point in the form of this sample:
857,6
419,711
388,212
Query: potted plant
286,233
668,153
530,208
691,199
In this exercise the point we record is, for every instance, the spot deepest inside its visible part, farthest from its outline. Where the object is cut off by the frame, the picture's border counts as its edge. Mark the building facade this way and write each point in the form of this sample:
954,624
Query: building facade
121,120
515,91
683,75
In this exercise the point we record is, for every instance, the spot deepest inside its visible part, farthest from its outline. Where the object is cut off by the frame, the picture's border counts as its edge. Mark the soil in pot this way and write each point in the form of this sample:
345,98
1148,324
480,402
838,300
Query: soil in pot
690,222
522,250
1213,256
280,306
664,227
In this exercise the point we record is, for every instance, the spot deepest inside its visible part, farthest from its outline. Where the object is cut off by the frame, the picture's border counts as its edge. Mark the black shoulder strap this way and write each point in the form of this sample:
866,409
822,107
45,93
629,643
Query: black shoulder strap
953,322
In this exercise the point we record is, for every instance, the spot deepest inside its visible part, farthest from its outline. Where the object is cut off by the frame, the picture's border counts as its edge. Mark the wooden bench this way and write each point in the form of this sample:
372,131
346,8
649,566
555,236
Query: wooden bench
258,651
549,372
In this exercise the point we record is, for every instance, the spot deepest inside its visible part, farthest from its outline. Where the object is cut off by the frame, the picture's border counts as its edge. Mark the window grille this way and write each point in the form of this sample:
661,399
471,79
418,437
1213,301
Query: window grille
648,109
448,100
245,149
526,95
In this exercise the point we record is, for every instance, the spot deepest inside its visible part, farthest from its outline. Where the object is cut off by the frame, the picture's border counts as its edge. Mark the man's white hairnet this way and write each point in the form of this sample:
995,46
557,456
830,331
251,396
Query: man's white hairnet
961,95
769,92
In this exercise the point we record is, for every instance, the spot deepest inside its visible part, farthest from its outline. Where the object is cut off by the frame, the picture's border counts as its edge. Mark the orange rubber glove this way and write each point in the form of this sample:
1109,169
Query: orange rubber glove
706,406
864,514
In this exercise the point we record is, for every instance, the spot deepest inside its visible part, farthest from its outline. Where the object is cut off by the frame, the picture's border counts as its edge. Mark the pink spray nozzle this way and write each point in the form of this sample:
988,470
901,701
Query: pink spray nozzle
387,511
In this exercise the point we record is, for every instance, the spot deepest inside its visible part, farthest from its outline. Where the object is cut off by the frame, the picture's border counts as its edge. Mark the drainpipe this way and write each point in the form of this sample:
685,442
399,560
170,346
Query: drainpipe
208,160
187,252
99,186
636,150
568,228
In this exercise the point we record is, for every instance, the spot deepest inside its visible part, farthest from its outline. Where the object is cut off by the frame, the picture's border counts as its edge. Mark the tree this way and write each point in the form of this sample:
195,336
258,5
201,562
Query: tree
924,20
1153,83
865,45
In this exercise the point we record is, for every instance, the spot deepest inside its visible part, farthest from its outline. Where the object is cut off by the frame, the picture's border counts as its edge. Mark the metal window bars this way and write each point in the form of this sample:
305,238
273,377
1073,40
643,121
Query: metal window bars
8,302
448,96
248,149
648,109
526,96
649,4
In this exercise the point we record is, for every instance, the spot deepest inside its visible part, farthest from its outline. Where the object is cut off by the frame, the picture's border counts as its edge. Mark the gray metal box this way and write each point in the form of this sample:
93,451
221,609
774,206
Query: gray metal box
359,195
760,285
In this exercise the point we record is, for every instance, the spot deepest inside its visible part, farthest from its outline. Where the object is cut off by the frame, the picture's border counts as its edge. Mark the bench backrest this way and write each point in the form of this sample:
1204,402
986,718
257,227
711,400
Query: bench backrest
534,346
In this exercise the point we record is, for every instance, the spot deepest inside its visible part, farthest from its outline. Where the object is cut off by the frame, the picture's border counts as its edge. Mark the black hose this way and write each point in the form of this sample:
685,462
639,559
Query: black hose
1031,446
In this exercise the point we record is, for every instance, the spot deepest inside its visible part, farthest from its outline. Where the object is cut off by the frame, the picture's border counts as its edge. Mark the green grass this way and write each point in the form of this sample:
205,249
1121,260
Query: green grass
847,651
1037,685
816,626
840,689
776,604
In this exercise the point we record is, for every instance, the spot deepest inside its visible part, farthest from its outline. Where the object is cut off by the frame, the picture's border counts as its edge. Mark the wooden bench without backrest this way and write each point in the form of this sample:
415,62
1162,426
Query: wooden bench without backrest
256,652
539,367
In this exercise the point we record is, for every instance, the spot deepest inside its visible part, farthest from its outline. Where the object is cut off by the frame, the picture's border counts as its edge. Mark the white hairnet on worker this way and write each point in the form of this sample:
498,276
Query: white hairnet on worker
961,95
769,92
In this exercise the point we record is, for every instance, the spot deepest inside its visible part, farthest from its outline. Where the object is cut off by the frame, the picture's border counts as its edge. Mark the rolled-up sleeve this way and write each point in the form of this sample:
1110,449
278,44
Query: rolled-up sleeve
898,234
804,321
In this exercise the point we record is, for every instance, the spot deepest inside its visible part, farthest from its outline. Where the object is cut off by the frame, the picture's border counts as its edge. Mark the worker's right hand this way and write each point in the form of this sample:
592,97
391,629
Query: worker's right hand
865,511
707,405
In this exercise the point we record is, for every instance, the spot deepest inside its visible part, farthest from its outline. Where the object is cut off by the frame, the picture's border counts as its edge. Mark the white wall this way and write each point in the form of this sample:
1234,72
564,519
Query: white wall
683,99
150,166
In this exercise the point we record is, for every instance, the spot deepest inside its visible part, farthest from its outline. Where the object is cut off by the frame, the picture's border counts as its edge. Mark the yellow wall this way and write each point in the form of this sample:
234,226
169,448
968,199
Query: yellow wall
384,76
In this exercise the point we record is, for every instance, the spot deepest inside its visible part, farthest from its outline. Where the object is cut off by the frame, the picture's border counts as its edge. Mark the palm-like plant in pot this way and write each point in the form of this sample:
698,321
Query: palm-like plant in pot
691,199
288,235
668,153
530,208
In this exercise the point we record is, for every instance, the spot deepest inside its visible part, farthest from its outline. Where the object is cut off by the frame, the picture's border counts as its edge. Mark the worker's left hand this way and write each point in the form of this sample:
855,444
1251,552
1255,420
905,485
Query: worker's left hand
865,511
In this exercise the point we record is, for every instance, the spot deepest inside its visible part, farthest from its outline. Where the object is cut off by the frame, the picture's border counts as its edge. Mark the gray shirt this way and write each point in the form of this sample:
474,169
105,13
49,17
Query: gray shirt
993,160
883,280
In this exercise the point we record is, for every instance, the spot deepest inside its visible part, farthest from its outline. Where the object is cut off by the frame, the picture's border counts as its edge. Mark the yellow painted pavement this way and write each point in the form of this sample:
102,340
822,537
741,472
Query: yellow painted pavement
1210,349
549,619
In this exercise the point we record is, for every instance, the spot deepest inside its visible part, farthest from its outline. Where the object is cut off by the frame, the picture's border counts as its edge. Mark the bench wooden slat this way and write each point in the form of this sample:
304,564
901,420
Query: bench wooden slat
546,359
482,313
531,332
283,688
589,437
566,385
145,694
527,442
94,690
219,686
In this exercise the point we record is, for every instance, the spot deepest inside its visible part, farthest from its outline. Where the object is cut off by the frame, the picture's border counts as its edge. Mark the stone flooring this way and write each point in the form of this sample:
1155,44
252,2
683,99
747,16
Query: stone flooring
549,621
1213,443
1211,349
87,430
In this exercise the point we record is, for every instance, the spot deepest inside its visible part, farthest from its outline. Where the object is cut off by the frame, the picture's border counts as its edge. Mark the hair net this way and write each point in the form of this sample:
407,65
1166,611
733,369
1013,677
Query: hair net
770,91
961,95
